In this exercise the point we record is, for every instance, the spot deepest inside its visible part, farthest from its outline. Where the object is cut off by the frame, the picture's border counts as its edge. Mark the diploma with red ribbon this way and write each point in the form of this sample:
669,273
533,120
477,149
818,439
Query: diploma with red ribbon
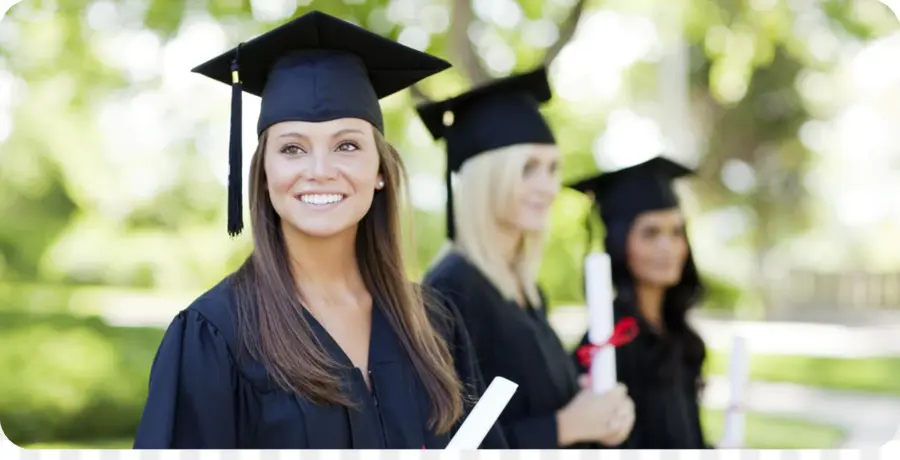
625,331
600,355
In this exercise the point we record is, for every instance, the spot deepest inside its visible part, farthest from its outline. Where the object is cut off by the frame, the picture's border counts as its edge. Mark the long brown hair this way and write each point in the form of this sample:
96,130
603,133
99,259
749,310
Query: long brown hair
274,330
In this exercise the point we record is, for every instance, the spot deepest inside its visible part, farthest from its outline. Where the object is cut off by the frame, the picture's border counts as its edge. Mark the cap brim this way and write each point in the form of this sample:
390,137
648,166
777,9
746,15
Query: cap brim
533,83
391,66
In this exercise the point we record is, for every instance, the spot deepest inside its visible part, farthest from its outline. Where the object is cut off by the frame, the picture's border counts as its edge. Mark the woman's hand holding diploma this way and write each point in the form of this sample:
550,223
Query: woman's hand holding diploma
605,418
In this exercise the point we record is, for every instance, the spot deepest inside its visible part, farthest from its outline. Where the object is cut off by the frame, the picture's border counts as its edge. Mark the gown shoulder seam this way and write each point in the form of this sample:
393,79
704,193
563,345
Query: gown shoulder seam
228,346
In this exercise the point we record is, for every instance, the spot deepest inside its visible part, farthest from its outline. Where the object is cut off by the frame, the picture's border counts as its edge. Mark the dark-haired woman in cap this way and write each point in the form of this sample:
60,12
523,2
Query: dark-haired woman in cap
656,282
319,340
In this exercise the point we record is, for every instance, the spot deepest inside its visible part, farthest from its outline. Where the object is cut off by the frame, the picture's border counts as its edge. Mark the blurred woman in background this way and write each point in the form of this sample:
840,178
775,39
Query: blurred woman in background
319,340
507,160
656,281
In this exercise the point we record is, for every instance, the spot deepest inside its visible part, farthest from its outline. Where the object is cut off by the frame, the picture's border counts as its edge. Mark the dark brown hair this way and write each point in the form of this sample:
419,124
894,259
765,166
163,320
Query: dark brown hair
685,346
272,326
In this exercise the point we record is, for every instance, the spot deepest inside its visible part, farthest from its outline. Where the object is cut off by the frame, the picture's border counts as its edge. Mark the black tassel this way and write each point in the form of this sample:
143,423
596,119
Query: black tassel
235,201
451,228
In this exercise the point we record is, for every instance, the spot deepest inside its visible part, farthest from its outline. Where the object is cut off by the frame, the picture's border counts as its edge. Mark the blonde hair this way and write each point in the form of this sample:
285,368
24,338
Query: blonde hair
487,185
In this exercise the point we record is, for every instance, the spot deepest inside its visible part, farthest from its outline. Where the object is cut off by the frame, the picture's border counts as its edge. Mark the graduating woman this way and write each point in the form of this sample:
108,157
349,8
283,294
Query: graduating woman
507,162
655,281
319,340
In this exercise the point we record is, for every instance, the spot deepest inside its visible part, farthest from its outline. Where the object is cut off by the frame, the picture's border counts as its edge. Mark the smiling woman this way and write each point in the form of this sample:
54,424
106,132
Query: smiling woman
318,341
322,177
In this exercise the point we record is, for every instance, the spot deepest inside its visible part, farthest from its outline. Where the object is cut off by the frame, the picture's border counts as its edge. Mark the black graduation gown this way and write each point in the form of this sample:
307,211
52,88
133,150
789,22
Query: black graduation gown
515,343
667,410
201,397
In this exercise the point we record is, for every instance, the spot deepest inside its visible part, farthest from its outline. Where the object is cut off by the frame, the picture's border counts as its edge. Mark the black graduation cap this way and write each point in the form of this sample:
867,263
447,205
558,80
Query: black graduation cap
625,193
502,113
314,68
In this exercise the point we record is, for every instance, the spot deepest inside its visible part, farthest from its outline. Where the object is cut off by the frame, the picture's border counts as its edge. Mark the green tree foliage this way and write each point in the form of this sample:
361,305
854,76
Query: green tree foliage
57,183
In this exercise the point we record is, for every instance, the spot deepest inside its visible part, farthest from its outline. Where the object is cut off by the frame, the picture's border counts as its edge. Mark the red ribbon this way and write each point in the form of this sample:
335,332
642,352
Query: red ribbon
625,331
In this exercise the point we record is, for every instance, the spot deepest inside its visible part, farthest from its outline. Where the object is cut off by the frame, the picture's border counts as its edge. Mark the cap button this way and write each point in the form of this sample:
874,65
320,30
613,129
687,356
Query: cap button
448,118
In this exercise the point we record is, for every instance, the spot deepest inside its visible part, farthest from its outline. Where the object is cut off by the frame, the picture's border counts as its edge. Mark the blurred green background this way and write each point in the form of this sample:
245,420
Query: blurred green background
113,162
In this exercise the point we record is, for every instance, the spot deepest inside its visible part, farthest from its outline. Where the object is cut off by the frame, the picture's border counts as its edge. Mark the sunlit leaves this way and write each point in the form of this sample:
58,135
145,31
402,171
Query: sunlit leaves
355,12
221,9
39,209
164,16
746,57
41,40
865,19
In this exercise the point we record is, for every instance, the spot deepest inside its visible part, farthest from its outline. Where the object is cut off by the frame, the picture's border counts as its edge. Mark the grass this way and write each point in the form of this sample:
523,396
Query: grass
83,379
74,377
768,432
763,432
871,375
101,444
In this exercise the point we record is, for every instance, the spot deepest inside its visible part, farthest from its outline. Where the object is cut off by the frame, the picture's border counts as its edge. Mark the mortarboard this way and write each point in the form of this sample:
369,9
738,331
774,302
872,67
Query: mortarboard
499,114
314,68
625,193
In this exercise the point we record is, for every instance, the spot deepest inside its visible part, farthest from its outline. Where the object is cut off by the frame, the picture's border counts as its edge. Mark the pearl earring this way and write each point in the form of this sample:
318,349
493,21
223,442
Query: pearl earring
380,183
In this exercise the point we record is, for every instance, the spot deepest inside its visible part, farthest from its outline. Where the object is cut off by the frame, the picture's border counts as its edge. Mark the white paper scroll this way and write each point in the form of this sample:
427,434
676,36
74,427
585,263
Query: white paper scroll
599,296
483,415
738,375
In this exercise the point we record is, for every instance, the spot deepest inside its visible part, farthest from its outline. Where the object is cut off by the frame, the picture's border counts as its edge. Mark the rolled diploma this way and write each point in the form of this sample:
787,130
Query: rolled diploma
599,296
483,416
738,374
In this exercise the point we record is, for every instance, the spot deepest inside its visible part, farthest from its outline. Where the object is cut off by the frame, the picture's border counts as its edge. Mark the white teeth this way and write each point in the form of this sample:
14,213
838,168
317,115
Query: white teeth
321,199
